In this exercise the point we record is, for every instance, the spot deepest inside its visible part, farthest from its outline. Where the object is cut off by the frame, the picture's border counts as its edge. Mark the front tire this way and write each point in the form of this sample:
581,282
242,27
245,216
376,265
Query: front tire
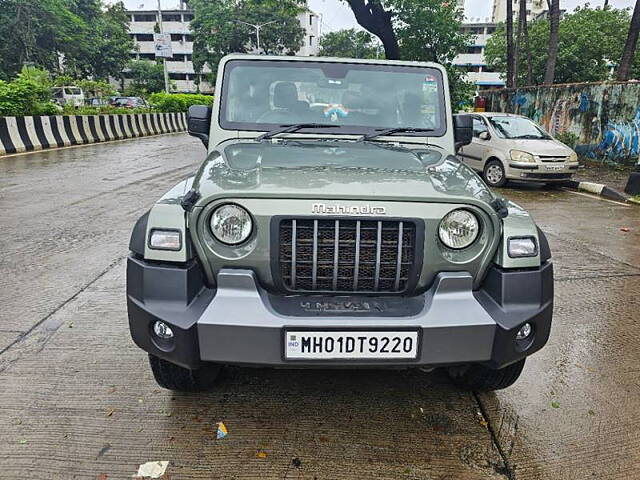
174,377
494,174
480,378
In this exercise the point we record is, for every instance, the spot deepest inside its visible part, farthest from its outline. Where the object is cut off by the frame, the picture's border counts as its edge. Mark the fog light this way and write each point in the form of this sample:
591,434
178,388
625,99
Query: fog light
524,332
163,331
165,240
519,247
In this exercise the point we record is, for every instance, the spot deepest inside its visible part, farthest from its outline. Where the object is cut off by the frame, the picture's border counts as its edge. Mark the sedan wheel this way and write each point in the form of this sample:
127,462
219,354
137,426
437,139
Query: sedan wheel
494,174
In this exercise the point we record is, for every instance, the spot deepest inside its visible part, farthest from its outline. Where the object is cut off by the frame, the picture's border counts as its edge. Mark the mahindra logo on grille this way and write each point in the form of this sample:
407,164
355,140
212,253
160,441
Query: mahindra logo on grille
324,209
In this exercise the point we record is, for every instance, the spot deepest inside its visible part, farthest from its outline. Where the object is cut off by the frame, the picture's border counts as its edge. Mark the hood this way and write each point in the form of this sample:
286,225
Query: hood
333,169
549,147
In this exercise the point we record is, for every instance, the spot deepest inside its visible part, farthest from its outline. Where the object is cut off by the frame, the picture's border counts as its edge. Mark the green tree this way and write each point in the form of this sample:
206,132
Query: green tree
589,40
146,77
373,16
36,32
431,30
628,54
348,43
79,37
217,32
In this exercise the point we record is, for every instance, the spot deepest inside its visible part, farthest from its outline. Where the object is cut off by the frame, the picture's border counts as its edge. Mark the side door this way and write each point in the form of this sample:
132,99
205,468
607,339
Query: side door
474,154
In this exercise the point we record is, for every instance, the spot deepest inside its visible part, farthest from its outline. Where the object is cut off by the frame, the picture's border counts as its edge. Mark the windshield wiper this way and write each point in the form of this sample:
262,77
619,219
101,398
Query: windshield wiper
292,128
391,131
531,137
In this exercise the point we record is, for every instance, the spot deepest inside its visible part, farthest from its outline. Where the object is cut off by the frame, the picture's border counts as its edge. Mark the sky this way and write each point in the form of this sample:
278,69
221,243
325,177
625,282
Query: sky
336,14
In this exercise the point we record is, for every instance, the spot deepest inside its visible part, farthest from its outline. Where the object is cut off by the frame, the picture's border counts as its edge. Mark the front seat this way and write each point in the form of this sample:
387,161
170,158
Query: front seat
289,109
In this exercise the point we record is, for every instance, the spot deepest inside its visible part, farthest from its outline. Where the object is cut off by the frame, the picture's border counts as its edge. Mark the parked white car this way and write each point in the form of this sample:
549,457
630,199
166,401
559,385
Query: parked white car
512,147
70,95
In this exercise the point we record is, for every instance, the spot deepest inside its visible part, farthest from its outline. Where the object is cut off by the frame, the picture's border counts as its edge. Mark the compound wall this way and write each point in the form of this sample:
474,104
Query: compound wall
604,117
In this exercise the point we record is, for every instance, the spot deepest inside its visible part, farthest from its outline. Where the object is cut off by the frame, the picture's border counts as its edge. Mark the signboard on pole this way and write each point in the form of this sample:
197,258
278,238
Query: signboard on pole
162,43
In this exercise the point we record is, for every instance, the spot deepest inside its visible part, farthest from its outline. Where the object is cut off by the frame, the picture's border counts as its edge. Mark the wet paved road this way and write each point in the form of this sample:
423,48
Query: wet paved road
78,399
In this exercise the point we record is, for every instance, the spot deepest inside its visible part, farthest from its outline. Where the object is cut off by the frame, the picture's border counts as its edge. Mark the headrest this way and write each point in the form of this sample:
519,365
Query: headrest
285,95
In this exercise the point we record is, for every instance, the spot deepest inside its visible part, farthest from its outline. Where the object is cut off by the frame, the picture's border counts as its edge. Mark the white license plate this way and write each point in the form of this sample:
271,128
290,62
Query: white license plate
554,168
350,345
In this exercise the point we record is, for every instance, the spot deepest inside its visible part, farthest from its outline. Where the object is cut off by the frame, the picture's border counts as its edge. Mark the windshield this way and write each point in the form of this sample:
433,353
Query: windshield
358,98
517,127
72,91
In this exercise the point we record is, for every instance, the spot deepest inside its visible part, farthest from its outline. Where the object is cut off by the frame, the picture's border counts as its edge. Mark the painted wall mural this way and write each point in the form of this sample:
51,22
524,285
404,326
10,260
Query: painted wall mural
602,118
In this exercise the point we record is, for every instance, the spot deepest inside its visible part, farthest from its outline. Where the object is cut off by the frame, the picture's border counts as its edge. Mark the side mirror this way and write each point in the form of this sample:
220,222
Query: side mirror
463,130
199,122
484,136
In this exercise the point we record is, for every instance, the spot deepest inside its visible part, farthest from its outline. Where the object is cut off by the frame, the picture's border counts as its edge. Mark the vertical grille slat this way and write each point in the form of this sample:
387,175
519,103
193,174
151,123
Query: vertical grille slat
356,268
399,259
314,268
378,251
347,255
336,254
293,254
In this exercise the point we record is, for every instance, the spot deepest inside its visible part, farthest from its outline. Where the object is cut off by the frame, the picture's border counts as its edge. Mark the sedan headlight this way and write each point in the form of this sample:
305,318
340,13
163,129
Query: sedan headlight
573,158
231,224
459,229
523,157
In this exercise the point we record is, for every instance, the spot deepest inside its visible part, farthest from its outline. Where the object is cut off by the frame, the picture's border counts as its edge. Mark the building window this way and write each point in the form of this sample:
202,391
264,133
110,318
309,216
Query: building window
311,38
188,17
171,17
491,30
176,37
144,37
147,56
188,38
474,49
188,57
310,19
144,17
178,76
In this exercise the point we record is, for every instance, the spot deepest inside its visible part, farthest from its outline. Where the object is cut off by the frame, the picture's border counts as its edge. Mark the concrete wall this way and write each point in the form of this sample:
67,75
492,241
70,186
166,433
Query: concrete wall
605,116
24,134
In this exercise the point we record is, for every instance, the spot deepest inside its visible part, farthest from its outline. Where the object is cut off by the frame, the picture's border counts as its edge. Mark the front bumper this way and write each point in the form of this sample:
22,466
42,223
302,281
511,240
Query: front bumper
242,324
540,172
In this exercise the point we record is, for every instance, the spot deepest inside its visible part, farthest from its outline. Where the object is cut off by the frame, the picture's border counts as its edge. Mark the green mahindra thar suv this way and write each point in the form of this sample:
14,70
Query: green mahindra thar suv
331,226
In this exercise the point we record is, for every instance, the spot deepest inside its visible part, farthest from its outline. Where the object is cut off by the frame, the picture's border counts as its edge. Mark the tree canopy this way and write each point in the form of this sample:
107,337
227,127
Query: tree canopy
217,30
348,43
422,30
76,37
146,77
590,40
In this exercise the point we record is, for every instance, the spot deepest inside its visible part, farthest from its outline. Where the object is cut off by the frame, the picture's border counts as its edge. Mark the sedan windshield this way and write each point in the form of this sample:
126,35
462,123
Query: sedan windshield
517,127
356,98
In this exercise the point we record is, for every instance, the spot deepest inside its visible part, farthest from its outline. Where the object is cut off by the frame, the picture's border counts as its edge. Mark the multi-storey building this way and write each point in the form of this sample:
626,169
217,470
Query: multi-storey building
534,8
142,24
473,61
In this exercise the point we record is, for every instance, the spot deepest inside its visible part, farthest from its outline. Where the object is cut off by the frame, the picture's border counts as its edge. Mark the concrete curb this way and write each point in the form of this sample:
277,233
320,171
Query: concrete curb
596,189
28,134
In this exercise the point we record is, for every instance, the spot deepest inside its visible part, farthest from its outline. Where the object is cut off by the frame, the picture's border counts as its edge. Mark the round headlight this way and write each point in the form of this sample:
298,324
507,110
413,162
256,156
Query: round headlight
231,224
459,229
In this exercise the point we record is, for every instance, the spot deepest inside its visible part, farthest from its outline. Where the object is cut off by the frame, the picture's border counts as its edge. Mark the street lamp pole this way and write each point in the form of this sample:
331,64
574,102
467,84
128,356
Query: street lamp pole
164,59
258,27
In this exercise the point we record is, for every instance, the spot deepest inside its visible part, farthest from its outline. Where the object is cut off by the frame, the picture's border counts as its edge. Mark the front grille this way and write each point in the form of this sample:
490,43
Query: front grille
553,158
347,255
